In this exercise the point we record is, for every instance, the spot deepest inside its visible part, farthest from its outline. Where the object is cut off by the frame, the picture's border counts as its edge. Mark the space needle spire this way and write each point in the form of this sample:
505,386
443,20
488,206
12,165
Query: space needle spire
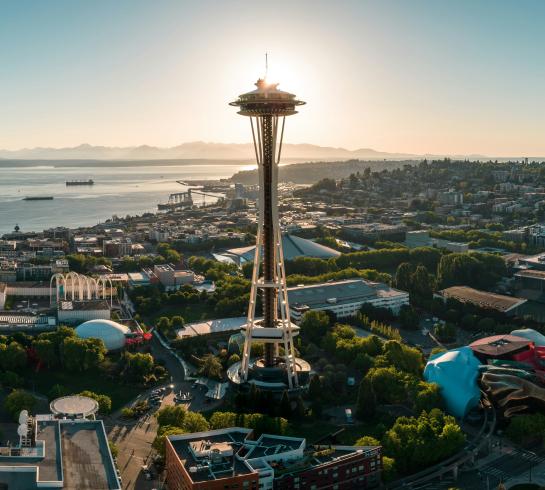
267,108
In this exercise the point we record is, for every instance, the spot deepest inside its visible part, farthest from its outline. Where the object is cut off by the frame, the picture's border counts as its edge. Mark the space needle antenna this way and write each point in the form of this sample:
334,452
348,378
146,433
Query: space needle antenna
266,65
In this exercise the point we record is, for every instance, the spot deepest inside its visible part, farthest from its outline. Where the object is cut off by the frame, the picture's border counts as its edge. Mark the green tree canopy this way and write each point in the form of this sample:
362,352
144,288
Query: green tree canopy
19,400
366,404
104,401
172,415
314,325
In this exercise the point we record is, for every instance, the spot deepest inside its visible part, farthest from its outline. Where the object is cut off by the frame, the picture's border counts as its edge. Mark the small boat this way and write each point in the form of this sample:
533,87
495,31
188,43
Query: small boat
80,182
38,198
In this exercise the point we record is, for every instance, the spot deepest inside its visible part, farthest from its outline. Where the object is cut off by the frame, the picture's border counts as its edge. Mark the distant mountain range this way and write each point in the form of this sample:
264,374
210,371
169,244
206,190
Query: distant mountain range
212,151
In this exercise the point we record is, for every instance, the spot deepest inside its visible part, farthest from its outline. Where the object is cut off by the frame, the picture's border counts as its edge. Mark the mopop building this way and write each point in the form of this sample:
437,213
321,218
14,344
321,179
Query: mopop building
267,108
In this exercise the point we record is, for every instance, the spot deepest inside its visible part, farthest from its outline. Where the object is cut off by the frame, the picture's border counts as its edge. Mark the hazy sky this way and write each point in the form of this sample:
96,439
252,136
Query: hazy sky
412,76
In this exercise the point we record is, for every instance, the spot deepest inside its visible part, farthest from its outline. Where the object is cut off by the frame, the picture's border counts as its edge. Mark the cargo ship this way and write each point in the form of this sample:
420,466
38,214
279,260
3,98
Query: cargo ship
38,198
80,182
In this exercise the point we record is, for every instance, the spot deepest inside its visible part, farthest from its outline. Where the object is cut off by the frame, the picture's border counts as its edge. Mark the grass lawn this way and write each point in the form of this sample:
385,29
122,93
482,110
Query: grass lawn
75,382
190,313
314,431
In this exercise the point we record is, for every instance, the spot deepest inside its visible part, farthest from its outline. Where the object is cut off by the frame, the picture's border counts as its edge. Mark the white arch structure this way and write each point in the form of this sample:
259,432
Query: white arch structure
78,287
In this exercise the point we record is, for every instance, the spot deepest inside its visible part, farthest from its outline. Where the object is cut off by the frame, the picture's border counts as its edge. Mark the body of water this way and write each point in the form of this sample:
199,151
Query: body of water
118,190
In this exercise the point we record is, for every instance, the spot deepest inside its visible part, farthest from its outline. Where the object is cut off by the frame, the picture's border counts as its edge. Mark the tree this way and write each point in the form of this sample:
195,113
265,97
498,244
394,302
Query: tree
104,401
314,325
285,405
389,384
46,351
11,380
138,366
367,441
417,442
388,469
221,420
19,400
300,410
12,356
445,332
164,325
405,358
428,397
195,422
211,367
403,277
162,433
57,390
422,284
172,415
408,317
177,322
315,388
82,354
366,404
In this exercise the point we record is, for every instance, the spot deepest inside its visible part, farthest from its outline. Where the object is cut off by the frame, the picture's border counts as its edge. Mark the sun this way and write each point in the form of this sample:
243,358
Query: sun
290,75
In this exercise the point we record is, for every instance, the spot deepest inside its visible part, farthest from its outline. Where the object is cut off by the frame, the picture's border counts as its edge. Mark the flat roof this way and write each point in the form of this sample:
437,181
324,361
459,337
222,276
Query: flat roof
249,455
74,453
534,274
74,405
227,467
207,327
86,457
345,291
88,305
484,299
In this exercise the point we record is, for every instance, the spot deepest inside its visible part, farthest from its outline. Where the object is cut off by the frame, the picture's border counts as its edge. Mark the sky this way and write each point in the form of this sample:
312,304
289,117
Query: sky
418,76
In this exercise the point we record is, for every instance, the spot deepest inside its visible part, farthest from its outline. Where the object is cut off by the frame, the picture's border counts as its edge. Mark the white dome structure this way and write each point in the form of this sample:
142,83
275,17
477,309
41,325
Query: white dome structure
111,333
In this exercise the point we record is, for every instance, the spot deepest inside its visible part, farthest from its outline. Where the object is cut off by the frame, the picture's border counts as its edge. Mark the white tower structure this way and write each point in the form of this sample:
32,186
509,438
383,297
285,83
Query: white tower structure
267,108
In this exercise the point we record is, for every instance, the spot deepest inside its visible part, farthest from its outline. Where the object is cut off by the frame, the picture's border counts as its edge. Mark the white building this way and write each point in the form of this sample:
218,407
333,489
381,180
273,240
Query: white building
171,278
28,289
344,298
113,334
80,311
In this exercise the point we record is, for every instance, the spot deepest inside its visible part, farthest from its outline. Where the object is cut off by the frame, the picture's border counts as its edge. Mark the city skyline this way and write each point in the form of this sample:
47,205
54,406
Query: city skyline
424,77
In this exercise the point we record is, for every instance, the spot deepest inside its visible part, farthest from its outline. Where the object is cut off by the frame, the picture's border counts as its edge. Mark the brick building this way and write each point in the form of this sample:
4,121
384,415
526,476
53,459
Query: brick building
234,458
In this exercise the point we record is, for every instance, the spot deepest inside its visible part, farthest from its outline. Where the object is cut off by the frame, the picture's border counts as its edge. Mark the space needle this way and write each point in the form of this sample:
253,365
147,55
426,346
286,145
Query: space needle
279,368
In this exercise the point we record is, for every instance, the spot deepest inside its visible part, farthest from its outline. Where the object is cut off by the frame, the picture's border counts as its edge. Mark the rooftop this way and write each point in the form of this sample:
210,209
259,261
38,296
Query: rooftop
234,451
70,454
534,274
345,291
74,405
484,299
292,246
207,327
88,305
